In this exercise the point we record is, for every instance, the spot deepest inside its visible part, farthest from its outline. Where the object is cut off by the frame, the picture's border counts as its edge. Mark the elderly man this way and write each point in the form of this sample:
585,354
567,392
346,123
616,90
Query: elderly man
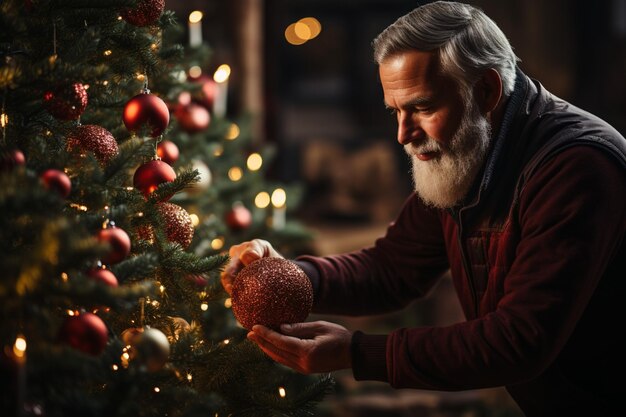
519,194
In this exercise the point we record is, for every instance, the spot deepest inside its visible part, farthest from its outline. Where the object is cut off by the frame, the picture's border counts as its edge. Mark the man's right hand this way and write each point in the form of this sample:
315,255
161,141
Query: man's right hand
243,254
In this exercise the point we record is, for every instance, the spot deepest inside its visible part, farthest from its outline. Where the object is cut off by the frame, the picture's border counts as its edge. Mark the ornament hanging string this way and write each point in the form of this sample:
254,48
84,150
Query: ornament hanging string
54,39
142,314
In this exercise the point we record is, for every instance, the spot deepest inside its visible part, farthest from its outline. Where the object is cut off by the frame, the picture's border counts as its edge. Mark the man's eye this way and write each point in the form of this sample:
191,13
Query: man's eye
423,109
393,112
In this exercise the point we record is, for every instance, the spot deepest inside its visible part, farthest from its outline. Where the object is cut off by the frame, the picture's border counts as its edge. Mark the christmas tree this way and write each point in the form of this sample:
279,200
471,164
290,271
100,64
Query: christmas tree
115,218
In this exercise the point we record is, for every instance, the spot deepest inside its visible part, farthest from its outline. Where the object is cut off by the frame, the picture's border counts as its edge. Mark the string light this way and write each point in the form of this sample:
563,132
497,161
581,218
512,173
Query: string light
233,132
282,392
115,367
19,347
64,277
235,174
189,377
195,71
195,220
157,389
254,162
204,306
108,52
226,341
162,289
279,197
218,151
222,73
217,243
228,303
262,199
4,119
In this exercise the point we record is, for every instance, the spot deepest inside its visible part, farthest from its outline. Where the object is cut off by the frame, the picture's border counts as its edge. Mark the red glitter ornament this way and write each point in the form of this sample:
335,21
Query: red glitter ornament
193,117
148,176
146,111
119,243
104,276
94,139
168,151
271,291
208,91
86,332
178,225
57,180
238,217
145,13
67,102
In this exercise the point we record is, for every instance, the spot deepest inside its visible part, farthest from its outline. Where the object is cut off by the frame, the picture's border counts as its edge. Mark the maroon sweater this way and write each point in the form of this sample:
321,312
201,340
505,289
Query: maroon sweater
538,259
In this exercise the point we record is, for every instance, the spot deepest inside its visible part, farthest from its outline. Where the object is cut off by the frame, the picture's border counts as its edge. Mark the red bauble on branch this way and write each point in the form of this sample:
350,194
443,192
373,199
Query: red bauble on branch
66,103
148,176
145,13
208,91
57,180
119,243
271,291
238,217
94,139
146,111
9,160
193,117
168,151
178,225
104,276
86,332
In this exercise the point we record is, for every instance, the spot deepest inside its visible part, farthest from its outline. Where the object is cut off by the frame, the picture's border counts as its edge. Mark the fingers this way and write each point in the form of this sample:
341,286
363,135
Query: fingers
307,330
273,350
243,254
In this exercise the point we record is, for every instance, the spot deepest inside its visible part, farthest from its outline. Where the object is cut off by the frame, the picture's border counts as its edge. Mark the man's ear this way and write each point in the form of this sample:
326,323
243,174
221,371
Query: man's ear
488,90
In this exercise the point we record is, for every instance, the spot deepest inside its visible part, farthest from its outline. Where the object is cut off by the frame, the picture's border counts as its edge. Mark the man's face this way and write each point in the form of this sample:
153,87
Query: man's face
443,132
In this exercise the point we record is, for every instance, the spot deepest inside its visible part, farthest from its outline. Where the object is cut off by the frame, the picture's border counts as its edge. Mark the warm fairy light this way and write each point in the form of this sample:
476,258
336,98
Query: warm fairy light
105,82
279,197
64,277
218,151
222,73
254,162
19,347
235,174
226,341
195,71
71,313
262,199
282,392
195,16
233,132
78,207
292,37
204,306
140,76
189,377
217,243
108,52
155,304
302,31
154,46
4,119
53,58
228,303
162,289
119,18
314,26
115,367
125,356
157,389
195,220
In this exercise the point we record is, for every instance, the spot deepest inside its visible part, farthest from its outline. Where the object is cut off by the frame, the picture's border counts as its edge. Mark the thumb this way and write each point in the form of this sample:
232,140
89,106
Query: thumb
301,330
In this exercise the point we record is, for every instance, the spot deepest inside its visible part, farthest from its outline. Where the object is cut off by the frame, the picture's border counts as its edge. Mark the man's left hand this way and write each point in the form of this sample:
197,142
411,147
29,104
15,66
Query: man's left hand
311,347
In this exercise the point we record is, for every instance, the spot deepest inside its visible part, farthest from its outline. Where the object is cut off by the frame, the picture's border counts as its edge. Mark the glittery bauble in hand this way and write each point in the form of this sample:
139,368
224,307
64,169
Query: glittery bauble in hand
271,291
178,225
168,151
57,180
66,103
150,175
145,13
192,118
119,243
86,332
146,111
94,139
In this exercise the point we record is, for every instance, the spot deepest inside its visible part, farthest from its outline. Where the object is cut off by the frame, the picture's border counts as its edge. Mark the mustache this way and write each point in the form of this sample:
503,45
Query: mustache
429,145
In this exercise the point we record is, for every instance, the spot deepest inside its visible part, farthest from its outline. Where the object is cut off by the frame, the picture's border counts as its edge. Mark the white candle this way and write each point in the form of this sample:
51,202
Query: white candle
221,96
195,29
279,212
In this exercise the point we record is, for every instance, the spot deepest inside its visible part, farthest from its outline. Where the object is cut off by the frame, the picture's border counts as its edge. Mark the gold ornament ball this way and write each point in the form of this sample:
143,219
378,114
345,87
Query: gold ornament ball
271,291
148,348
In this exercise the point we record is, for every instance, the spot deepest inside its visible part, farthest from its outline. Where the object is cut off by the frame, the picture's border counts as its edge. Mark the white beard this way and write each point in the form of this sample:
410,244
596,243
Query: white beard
442,182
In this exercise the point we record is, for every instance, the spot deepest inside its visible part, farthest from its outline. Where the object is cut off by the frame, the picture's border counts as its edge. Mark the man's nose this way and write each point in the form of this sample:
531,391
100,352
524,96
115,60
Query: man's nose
409,130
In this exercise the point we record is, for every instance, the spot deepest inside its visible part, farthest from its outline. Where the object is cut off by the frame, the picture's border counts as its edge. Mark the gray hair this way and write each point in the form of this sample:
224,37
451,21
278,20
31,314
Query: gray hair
466,40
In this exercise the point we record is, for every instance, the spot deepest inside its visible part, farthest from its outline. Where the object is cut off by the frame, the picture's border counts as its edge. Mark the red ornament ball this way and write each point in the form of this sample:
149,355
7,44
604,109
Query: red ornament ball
193,117
150,175
145,13
104,276
86,332
56,180
238,217
9,160
146,111
178,225
67,102
119,243
168,151
271,291
208,91
94,139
